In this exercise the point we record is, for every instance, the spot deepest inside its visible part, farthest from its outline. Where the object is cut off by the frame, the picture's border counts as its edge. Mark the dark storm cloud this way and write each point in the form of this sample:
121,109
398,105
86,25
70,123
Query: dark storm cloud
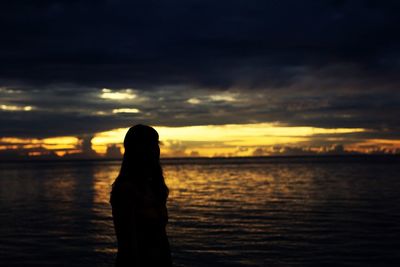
210,43
301,63
86,112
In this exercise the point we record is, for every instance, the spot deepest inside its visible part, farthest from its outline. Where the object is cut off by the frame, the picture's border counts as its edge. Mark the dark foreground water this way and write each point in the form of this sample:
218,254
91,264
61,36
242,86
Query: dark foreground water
265,212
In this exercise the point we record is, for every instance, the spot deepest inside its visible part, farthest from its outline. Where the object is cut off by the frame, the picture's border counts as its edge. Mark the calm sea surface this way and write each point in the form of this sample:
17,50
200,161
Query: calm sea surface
261,212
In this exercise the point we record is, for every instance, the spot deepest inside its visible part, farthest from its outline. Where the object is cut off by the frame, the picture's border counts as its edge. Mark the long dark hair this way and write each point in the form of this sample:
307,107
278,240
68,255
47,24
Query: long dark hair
141,161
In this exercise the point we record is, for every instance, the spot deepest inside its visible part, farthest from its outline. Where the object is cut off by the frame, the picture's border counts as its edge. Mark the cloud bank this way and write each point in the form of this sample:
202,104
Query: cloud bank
77,68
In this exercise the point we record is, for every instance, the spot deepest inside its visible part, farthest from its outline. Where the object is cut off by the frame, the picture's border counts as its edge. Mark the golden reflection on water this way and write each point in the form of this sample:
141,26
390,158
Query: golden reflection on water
220,212
103,177
206,185
228,203
102,182
216,186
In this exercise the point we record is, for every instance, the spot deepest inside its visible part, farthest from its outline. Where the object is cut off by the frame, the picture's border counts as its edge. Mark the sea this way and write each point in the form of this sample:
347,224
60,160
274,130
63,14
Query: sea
283,211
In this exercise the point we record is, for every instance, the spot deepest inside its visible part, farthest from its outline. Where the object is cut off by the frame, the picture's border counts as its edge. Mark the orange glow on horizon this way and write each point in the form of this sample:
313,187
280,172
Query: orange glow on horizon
53,143
376,145
220,140
228,140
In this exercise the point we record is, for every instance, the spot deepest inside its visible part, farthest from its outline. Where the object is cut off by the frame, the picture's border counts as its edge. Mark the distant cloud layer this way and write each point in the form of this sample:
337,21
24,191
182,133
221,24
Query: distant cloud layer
76,68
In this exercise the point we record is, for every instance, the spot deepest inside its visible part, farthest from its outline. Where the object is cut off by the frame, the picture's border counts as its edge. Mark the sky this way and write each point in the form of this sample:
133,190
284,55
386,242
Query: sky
215,78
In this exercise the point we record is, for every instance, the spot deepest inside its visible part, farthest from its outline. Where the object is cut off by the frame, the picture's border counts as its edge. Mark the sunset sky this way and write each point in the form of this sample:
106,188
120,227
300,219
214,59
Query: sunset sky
215,78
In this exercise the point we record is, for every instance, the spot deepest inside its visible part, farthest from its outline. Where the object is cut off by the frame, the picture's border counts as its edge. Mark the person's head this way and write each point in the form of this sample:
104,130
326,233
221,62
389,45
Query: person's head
141,144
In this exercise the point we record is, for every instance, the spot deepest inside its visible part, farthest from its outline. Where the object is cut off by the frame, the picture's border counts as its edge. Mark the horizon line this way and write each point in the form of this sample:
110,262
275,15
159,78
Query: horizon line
359,155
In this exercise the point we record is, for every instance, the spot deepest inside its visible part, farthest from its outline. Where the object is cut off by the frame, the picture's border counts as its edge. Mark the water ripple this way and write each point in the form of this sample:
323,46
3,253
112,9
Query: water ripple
221,214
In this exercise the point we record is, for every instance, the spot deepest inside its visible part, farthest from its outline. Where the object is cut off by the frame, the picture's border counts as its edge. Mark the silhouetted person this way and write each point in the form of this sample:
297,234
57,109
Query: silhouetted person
138,200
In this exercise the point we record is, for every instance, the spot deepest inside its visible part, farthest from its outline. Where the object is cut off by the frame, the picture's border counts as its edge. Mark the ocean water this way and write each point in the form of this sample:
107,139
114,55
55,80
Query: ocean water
244,212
